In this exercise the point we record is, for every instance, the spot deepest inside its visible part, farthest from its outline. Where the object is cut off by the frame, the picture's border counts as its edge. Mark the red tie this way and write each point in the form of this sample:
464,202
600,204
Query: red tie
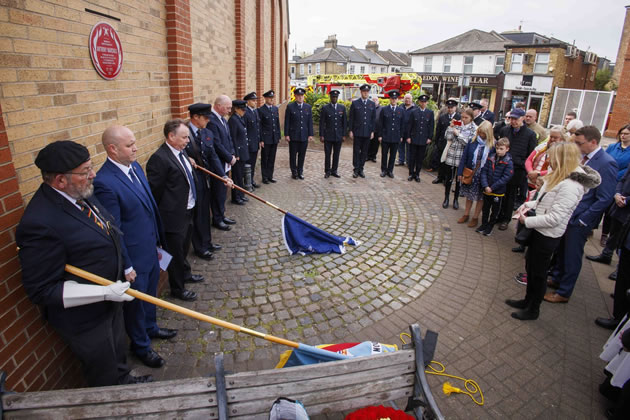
584,160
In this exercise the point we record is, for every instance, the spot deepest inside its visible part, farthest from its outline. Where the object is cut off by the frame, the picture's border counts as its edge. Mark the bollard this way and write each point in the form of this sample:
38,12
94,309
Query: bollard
248,177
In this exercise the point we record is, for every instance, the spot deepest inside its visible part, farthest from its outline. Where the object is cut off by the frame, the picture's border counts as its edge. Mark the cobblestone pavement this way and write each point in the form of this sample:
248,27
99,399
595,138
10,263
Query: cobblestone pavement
414,264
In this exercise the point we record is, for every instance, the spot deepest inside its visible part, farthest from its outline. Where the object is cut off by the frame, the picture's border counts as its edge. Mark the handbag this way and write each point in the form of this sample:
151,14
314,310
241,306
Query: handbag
467,175
523,233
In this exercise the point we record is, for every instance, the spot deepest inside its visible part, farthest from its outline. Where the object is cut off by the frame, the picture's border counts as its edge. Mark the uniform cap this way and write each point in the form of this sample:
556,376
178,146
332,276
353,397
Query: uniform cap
200,109
239,103
251,95
334,93
393,94
423,98
299,91
365,87
269,94
475,105
451,102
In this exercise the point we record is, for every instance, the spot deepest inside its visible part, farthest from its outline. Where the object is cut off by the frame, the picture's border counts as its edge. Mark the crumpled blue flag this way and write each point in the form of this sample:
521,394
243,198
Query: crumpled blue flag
305,238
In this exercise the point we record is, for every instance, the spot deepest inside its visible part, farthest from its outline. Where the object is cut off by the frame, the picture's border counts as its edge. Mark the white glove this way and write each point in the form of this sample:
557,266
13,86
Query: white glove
78,294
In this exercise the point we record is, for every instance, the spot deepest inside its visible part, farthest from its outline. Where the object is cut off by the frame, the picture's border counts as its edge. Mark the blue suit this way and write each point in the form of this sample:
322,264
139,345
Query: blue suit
225,150
298,126
488,116
585,217
362,124
136,215
390,129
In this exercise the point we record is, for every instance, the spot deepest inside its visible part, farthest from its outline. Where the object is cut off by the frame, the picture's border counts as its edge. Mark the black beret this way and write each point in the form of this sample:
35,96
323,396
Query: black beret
393,94
239,103
334,92
299,91
61,157
365,87
251,95
423,98
200,109
269,94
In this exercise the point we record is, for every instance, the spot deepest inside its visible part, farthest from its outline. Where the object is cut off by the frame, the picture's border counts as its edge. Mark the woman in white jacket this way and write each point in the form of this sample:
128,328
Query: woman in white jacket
559,196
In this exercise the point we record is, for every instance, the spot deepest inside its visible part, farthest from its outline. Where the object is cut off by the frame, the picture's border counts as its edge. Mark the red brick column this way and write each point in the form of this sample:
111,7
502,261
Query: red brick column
179,45
273,50
621,109
31,353
239,35
260,50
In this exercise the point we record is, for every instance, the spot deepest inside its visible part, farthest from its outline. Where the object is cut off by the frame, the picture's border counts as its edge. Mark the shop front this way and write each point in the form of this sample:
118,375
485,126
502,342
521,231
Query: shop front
474,87
533,91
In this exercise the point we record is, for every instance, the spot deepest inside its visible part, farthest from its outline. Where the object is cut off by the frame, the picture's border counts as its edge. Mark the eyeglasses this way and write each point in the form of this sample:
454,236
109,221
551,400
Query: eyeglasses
83,174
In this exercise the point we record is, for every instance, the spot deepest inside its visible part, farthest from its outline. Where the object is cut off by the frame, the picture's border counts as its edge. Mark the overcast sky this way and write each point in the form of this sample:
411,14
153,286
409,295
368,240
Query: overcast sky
413,24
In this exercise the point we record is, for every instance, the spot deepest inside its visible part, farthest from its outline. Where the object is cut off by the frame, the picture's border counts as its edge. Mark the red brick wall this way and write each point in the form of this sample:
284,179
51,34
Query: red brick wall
239,35
179,41
260,48
33,356
621,108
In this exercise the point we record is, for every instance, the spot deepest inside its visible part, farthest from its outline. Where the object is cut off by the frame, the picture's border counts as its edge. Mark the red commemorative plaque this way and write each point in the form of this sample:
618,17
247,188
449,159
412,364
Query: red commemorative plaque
106,51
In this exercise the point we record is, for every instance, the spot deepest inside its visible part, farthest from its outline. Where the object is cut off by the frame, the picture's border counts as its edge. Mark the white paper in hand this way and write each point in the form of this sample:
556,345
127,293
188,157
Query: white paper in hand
164,258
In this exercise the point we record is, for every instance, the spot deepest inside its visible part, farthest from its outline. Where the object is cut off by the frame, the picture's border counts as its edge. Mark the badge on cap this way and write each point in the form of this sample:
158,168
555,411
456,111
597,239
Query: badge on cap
423,98
364,87
250,96
299,91
393,94
269,94
334,93
475,105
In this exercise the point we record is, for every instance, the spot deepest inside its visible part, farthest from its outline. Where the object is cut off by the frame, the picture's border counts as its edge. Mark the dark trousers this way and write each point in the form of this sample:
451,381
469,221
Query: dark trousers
238,174
616,233
569,259
252,162
268,160
537,262
373,148
402,152
297,153
388,156
416,156
201,236
438,149
218,192
449,173
512,190
178,244
621,306
360,147
102,349
333,147
490,210
140,318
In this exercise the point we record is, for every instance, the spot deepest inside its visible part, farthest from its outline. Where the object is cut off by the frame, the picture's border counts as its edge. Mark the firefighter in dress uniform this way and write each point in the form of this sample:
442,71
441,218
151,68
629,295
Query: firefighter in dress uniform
298,131
332,128
390,133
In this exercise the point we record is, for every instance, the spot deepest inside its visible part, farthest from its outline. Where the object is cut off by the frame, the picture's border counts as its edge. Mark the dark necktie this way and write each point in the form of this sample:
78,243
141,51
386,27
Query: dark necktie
191,180
87,210
584,160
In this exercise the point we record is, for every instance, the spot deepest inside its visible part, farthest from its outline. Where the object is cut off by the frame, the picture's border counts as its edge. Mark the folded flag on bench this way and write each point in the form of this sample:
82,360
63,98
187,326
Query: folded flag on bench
305,356
304,238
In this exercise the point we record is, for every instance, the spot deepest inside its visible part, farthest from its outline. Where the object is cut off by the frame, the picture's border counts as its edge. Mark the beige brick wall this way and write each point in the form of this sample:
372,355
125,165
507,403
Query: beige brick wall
49,90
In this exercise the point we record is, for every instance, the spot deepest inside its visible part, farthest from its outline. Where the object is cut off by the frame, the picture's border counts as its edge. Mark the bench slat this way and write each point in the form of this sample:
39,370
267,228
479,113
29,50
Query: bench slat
329,369
129,408
109,394
322,398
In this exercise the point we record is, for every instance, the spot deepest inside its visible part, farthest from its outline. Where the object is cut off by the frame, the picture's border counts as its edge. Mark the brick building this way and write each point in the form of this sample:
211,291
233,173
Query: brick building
621,75
176,52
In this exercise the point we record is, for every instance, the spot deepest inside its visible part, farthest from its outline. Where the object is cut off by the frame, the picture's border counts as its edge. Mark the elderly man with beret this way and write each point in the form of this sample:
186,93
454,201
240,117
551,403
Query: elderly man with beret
64,224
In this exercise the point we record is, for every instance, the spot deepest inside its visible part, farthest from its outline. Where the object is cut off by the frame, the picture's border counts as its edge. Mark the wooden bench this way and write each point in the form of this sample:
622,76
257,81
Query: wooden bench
323,389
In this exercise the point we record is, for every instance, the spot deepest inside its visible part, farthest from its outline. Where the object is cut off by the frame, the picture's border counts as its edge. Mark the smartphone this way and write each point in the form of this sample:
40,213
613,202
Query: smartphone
457,123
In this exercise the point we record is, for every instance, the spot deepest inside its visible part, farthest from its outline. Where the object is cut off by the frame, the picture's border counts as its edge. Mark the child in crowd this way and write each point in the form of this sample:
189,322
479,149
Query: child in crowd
495,175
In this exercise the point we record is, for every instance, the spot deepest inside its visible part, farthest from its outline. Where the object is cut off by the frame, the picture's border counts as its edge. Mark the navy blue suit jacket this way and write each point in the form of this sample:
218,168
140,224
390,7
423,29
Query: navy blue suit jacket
391,124
252,123
238,133
597,200
488,116
269,124
135,212
420,126
333,124
222,141
298,123
362,118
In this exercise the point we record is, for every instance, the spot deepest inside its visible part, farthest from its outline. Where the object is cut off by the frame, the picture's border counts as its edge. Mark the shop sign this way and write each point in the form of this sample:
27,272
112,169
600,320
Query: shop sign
529,83
473,80
106,51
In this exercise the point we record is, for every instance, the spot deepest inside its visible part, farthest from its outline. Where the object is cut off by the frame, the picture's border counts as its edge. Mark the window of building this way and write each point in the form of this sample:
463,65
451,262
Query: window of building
351,71
302,69
447,64
428,64
310,69
517,63
541,65
373,69
499,62
317,68
383,69
468,63
362,68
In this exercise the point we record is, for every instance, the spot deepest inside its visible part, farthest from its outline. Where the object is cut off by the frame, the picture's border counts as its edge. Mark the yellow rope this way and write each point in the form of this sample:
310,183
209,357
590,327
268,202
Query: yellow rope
472,387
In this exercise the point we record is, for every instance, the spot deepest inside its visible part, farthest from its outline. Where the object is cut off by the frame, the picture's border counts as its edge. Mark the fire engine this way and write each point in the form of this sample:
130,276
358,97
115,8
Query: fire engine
348,84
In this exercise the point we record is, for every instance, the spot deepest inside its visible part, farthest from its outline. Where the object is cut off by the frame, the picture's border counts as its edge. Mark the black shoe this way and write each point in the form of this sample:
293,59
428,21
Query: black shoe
326,175
300,176
445,203
361,174
518,304
456,204
518,249
206,255
525,315
187,295
221,226
417,178
436,181
355,174
400,163
238,202
390,174
335,174
488,231
143,379
480,229
196,278
245,199
613,276
255,185
294,176
503,226
273,181
410,178
265,181
608,323
601,258
164,333
383,173
214,247
151,359
229,221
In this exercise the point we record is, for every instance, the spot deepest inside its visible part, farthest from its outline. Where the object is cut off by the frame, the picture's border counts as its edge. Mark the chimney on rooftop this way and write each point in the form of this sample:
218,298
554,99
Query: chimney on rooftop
331,42
372,46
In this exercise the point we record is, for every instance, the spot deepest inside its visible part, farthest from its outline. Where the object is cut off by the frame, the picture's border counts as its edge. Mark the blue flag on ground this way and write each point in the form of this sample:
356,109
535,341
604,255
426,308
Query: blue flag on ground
305,238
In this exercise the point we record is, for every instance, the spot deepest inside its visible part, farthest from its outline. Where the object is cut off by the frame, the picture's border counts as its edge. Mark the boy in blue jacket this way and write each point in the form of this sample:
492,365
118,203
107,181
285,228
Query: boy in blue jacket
495,175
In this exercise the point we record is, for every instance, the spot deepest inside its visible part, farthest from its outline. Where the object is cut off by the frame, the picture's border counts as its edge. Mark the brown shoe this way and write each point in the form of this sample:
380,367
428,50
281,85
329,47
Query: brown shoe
463,219
553,297
552,284
473,223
